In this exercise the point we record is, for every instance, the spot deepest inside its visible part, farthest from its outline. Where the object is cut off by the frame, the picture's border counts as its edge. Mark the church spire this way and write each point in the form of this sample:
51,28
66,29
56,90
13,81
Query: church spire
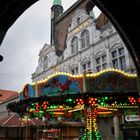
56,11
57,2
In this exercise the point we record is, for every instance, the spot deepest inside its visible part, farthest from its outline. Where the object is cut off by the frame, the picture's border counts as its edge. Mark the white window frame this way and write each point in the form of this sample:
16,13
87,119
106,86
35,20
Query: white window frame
85,39
74,45
75,70
101,63
118,59
87,66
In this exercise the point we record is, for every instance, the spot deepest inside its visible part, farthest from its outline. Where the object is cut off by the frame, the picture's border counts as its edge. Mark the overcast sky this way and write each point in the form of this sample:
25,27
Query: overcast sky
22,43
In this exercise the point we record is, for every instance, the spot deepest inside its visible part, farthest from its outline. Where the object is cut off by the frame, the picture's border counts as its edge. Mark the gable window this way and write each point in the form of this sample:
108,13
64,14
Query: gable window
85,41
118,59
101,62
45,63
74,45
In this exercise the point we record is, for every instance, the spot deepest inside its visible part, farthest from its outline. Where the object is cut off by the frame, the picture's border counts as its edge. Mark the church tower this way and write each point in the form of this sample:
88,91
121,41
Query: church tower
56,11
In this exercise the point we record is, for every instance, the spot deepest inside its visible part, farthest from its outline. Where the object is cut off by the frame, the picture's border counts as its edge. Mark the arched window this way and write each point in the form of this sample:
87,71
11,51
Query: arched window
45,62
74,45
85,41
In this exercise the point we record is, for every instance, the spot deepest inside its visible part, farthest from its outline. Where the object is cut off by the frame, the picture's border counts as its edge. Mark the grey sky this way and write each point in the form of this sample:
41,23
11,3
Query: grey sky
22,43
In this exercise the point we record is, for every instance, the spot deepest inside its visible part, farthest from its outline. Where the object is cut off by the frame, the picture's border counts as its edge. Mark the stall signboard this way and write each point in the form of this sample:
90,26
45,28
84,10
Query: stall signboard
132,118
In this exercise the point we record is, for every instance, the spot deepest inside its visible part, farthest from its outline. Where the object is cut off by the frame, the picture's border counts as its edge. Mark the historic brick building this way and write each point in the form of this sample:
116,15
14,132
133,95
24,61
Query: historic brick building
80,43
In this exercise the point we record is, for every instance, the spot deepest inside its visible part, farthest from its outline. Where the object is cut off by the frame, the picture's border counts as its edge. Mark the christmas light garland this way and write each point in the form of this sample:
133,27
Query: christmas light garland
92,101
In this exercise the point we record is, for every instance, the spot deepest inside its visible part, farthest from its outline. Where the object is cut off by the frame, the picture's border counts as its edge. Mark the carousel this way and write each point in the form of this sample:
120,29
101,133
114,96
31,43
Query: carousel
62,95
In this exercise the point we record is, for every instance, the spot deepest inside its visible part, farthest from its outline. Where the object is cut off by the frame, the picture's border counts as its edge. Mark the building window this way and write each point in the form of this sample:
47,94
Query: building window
115,63
121,51
45,63
101,62
104,58
122,63
74,45
118,59
98,61
86,67
85,41
74,70
98,68
78,20
82,18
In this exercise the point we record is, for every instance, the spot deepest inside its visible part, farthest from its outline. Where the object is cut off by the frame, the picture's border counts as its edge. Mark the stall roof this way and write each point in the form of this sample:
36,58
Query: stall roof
15,121
7,95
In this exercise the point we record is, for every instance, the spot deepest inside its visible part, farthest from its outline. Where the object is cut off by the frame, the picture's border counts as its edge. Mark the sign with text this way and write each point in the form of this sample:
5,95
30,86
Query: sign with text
132,118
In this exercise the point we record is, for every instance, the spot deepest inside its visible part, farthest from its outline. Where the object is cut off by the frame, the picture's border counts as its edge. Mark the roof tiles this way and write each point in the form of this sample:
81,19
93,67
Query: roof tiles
7,95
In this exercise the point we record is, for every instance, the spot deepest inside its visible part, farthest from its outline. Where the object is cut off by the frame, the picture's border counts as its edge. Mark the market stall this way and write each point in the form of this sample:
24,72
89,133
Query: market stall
96,94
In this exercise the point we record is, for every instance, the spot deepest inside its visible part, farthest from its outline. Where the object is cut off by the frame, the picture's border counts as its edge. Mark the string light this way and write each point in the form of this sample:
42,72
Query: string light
71,103
92,75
